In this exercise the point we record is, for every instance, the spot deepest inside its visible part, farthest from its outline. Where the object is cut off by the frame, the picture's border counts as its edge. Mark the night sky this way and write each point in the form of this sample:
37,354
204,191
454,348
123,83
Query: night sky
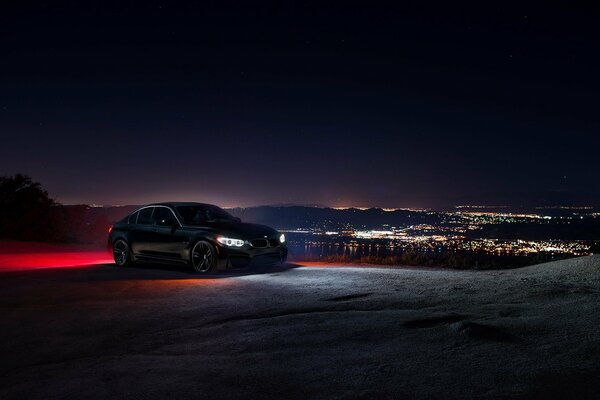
346,105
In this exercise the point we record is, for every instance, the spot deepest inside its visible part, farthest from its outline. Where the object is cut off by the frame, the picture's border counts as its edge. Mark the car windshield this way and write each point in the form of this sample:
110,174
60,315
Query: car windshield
197,215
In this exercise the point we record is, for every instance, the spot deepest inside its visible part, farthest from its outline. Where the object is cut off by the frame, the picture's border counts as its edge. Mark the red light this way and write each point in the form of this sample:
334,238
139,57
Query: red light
21,256
110,229
21,262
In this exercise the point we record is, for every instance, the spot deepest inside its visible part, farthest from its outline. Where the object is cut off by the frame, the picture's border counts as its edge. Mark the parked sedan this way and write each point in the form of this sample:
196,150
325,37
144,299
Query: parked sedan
203,236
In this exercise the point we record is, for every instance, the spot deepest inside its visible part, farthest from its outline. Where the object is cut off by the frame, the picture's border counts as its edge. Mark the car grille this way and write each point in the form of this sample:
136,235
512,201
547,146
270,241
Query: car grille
259,243
264,243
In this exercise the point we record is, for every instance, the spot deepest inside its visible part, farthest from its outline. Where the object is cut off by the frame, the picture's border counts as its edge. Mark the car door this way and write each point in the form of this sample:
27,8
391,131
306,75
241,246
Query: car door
142,236
167,240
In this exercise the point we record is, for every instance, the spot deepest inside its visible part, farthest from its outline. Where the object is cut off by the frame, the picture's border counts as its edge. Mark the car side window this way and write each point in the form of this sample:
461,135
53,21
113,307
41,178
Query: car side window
163,216
199,216
145,216
133,218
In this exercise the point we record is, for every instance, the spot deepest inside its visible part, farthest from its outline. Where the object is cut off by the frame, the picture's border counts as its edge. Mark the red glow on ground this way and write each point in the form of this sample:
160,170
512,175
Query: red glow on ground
19,256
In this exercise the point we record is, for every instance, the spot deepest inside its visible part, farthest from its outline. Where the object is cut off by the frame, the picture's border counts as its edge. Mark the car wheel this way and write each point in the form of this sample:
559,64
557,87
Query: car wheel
203,257
121,253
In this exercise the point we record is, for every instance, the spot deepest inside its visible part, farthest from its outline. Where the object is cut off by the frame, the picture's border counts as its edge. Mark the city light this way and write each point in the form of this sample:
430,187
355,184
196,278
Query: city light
463,231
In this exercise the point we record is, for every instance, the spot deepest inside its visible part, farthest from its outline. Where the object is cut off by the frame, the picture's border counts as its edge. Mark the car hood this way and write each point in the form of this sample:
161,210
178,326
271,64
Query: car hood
241,230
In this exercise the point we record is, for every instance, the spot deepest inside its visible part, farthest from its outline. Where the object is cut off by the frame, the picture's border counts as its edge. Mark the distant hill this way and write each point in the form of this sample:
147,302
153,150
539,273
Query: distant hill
302,217
89,224
287,217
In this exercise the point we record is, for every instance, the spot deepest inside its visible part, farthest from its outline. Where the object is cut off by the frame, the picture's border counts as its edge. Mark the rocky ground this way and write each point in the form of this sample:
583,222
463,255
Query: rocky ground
302,333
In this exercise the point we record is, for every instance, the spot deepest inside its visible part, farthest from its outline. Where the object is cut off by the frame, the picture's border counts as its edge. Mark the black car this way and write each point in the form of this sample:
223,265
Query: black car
203,236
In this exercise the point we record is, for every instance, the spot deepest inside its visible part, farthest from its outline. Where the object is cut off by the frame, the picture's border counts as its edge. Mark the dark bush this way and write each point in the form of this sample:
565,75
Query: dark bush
26,210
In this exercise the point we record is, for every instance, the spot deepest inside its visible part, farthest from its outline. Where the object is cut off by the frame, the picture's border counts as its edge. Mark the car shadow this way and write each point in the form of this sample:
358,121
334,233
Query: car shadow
165,271
139,272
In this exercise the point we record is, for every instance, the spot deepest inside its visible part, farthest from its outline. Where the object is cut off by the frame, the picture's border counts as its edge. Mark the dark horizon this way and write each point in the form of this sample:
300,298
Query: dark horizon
499,208
558,200
237,104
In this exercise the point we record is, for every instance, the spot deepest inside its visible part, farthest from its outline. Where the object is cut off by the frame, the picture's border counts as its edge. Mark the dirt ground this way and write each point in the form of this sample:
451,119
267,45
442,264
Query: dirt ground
302,333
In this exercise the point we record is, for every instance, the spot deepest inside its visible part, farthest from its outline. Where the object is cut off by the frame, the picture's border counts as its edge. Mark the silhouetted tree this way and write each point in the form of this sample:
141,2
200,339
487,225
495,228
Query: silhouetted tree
26,210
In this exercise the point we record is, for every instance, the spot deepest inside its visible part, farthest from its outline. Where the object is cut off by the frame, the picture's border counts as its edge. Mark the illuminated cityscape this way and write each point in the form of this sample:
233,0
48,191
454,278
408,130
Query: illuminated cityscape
465,230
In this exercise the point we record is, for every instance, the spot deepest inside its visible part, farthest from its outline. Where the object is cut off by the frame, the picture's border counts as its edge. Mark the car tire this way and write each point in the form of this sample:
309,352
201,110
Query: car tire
122,253
203,257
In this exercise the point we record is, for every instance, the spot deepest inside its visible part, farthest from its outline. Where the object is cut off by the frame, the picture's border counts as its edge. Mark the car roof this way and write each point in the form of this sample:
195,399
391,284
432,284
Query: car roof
179,204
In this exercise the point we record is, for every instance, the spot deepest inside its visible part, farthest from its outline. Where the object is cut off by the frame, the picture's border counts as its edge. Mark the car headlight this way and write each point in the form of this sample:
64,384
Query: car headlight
282,238
225,241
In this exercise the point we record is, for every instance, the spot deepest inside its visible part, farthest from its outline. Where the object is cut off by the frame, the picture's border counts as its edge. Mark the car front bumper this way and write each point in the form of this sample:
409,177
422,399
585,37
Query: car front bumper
230,258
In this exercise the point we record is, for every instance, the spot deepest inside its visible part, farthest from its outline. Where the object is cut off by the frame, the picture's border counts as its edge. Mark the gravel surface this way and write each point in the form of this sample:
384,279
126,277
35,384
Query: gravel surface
302,333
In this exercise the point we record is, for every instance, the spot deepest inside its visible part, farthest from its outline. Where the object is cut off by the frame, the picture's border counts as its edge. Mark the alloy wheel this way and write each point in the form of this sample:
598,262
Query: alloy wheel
120,252
203,257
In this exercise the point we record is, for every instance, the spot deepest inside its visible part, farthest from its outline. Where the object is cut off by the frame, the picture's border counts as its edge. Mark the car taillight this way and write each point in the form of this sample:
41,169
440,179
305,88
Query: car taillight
110,229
